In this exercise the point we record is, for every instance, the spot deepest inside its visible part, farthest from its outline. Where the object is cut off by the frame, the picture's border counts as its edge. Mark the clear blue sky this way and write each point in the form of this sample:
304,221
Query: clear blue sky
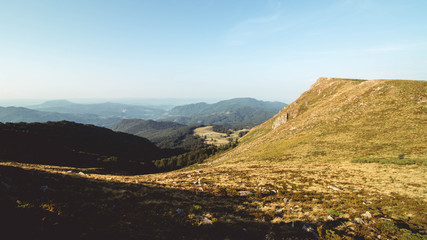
270,50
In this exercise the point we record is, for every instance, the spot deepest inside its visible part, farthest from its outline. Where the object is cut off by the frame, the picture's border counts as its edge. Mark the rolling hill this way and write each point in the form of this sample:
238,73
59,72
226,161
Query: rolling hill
73,144
108,109
145,128
20,114
240,112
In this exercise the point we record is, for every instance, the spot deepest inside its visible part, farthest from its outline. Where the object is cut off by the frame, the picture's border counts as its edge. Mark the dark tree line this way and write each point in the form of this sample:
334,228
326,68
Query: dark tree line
190,158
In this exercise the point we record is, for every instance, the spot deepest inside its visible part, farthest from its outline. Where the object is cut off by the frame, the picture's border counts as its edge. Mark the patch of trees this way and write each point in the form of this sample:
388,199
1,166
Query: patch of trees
167,135
190,158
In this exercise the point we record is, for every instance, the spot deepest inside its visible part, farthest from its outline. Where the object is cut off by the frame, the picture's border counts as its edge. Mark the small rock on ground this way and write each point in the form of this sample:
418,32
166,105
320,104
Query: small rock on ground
245,193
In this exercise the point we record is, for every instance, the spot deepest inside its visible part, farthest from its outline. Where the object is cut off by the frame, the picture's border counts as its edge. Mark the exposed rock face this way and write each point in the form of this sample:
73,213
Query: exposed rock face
282,119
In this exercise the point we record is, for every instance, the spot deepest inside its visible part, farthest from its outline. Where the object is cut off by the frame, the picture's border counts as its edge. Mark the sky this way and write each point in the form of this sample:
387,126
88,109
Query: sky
269,50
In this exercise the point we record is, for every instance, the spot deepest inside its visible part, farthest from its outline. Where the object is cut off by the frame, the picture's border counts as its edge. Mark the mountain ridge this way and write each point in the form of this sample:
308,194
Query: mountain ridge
333,108
240,112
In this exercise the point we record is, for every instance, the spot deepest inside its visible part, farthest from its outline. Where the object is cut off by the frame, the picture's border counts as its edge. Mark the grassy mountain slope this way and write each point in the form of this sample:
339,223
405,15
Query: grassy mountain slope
240,112
341,119
331,159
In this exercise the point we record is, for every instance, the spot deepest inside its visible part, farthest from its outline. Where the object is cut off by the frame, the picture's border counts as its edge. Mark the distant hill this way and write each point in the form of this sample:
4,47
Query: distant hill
242,112
68,143
146,128
101,109
164,134
20,114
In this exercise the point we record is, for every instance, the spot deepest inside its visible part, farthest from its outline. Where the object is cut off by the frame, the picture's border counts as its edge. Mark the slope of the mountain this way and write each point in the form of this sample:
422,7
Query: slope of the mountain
293,177
344,119
164,134
102,109
20,114
240,112
64,143
346,160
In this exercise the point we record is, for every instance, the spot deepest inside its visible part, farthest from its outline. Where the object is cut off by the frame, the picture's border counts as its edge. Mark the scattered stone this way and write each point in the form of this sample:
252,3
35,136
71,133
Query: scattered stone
179,213
197,182
286,200
203,220
110,178
200,190
307,228
69,171
386,219
379,236
44,188
274,192
245,193
334,188
352,229
367,215
199,171
330,218
82,173
136,181
359,221
188,175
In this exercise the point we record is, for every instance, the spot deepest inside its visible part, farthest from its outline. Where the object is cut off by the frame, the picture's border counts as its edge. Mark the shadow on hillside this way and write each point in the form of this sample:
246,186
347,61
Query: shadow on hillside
40,205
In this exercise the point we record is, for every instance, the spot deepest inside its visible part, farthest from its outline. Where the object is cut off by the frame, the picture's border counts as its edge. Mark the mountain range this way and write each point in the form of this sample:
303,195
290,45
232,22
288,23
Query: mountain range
21,114
115,110
239,112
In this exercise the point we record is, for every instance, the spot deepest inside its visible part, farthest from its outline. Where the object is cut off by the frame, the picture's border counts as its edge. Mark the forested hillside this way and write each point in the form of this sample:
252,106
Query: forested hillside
238,112
73,144
164,134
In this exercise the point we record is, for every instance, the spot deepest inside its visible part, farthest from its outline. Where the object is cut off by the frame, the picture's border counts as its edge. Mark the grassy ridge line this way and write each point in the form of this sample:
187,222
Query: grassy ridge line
345,119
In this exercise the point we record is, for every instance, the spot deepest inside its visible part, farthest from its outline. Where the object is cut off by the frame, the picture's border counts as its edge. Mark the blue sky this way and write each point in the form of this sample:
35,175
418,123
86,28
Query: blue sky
270,50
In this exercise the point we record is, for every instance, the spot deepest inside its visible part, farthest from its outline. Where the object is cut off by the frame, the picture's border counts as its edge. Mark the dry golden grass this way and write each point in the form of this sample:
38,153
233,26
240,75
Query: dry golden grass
306,153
